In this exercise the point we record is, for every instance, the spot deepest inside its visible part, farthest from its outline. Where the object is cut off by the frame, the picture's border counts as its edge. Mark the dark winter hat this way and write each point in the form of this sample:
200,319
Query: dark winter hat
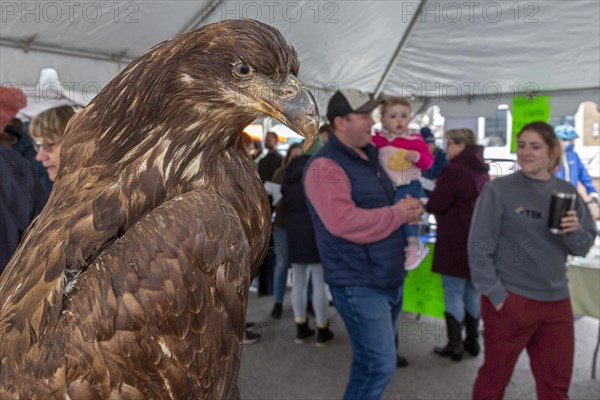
427,135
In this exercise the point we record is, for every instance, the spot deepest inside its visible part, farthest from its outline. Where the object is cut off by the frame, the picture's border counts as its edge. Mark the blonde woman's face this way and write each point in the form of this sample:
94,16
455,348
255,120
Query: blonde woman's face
453,149
49,155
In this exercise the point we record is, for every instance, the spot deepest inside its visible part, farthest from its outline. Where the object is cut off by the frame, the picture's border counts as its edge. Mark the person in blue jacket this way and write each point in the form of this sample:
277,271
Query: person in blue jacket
429,177
572,169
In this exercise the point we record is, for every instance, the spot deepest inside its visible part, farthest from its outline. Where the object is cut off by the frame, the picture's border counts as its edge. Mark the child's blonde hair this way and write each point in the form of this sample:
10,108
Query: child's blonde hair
394,101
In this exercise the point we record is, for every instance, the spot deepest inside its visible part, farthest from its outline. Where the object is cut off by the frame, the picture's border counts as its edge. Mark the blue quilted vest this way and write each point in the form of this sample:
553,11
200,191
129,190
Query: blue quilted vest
379,264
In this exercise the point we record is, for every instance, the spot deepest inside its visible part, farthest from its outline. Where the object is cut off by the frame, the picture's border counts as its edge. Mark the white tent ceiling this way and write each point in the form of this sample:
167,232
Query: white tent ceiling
466,56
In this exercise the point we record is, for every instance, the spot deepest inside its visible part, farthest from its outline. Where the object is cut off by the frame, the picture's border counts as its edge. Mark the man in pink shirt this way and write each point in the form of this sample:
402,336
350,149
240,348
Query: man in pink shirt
357,226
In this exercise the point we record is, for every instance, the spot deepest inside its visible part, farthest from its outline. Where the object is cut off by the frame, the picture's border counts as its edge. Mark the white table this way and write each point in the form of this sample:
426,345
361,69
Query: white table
584,285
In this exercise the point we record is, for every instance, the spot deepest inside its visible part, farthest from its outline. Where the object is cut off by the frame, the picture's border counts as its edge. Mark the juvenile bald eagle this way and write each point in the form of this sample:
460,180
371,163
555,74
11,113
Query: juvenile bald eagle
133,281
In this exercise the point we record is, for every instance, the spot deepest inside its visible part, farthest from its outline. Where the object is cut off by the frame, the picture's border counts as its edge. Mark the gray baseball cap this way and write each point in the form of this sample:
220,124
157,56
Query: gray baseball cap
346,101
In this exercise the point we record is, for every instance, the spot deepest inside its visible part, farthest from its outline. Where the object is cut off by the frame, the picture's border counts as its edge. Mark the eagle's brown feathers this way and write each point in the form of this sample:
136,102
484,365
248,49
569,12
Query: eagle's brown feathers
133,281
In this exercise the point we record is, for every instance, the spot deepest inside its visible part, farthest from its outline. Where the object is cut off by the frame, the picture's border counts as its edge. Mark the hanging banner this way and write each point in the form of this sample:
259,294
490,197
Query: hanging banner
526,110
423,290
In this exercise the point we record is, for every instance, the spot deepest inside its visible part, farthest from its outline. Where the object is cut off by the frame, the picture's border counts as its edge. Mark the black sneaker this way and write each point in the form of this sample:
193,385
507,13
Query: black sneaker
401,361
277,310
303,332
324,335
250,337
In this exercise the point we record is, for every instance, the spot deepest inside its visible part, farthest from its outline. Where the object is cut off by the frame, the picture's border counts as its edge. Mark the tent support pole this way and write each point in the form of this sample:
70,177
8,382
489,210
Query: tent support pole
30,46
423,107
394,60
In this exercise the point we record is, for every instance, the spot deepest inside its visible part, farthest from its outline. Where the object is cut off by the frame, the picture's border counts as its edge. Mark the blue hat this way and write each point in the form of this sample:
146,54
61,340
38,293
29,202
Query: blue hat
427,135
565,132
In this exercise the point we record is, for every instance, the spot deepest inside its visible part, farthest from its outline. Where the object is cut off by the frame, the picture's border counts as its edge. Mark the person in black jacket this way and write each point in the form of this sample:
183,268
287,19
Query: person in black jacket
279,233
272,160
304,256
21,195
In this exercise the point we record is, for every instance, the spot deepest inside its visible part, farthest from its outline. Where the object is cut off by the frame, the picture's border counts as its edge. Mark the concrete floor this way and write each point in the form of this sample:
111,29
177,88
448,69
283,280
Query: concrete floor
277,368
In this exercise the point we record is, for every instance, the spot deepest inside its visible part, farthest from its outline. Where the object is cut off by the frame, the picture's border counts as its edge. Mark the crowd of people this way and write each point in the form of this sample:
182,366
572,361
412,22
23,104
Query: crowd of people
345,223
364,190
28,165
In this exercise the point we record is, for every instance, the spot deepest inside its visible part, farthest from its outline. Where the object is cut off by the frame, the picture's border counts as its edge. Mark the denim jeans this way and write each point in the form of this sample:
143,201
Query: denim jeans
370,315
281,263
460,295
415,189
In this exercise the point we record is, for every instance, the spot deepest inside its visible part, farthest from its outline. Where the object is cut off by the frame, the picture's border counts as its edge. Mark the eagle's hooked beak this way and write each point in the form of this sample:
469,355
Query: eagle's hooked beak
296,107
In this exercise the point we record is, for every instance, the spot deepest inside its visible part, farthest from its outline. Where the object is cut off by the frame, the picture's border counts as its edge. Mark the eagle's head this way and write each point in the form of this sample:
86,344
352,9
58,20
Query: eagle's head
215,80
251,68
173,119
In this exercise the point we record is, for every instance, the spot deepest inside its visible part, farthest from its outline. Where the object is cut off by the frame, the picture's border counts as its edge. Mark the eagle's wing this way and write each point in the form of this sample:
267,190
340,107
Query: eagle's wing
156,311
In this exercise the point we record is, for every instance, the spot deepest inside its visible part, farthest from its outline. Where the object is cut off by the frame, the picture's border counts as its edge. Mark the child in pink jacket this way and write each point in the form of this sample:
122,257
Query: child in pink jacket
403,155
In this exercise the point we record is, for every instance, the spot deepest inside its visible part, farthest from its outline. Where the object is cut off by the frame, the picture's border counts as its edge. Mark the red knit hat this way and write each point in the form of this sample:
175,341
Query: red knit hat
12,99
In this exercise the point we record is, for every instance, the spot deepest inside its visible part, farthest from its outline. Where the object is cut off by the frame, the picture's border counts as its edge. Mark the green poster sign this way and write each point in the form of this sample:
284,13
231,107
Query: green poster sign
526,110
423,290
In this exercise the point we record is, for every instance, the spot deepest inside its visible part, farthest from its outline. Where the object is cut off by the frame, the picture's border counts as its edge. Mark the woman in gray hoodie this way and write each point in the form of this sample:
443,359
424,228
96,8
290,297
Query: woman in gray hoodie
519,267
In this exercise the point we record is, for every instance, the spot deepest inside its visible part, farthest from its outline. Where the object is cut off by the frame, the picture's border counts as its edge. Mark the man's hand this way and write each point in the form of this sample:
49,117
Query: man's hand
413,208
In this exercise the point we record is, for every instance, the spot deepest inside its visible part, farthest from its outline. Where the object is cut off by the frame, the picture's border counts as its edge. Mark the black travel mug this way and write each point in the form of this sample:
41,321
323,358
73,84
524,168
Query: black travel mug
559,205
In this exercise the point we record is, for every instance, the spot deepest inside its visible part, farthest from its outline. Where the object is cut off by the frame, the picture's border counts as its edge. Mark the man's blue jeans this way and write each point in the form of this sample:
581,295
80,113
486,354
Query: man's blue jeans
370,315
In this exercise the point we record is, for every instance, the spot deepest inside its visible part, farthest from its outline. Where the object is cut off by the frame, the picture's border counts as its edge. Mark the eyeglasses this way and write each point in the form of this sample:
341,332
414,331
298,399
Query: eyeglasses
47,147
